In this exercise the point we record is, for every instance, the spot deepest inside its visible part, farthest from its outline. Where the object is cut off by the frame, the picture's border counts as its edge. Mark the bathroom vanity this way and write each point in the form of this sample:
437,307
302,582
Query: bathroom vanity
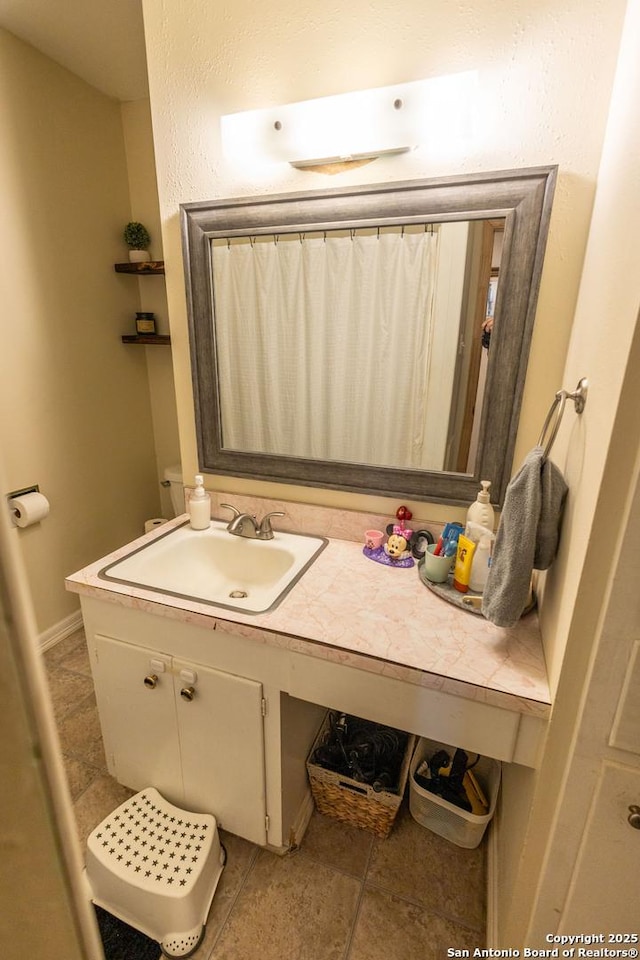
218,708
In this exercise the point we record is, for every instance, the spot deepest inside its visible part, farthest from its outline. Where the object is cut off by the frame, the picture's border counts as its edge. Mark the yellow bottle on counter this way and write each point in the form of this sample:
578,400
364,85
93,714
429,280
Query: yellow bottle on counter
464,559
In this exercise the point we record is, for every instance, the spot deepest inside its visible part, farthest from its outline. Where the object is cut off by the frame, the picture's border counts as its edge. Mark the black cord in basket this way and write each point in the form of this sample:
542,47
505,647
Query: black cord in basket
362,750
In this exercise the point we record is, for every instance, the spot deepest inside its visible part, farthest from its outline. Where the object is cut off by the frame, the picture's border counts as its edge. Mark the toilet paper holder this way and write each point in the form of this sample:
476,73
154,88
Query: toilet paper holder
34,488
27,506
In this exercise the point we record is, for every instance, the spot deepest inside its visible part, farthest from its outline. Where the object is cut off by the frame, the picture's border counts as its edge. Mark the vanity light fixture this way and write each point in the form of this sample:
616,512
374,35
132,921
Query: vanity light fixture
355,126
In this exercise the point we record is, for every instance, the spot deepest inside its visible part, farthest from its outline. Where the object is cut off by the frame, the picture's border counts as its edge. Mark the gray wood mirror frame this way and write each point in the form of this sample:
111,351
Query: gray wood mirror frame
519,200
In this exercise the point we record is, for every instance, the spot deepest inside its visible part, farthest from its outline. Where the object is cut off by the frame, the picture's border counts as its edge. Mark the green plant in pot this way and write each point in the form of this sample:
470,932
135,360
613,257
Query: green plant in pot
137,238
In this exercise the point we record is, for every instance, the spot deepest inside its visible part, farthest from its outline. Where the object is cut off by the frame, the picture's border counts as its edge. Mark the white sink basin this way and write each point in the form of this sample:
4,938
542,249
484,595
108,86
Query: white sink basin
214,566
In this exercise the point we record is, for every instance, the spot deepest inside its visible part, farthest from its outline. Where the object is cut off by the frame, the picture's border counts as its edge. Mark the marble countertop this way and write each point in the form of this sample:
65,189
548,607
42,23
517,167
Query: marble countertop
351,610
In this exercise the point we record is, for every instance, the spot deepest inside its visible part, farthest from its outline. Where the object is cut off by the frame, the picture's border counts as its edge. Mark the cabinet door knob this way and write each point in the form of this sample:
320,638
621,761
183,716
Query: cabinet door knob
188,693
634,817
151,681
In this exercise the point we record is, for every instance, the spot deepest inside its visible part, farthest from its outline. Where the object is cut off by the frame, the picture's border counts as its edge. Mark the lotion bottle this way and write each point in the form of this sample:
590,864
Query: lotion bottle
481,511
480,565
200,506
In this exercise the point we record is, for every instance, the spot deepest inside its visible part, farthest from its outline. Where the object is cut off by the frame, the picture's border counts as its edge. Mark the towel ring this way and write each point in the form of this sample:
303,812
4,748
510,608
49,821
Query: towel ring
579,397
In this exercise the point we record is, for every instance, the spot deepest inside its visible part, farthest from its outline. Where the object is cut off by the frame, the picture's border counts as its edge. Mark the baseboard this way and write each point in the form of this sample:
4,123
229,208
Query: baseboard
59,631
492,884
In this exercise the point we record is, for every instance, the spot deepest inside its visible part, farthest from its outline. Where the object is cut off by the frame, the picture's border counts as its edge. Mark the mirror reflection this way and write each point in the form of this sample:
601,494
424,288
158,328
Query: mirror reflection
371,338
365,345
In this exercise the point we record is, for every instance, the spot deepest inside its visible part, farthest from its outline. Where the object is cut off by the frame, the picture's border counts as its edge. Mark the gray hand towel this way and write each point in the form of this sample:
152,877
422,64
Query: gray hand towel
527,537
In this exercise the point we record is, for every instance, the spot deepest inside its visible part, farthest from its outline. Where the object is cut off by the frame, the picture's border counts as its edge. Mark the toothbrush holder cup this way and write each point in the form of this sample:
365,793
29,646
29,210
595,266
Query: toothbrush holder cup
373,539
436,569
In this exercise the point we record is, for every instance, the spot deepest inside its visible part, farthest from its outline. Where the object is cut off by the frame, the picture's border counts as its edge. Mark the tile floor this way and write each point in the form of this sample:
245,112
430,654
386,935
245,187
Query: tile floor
344,895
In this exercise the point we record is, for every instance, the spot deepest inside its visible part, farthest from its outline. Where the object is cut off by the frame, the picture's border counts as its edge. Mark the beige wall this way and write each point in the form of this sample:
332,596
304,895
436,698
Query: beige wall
604,325
143,189
75,409
74,402
541,101
597,453
44,908
203,64
30,860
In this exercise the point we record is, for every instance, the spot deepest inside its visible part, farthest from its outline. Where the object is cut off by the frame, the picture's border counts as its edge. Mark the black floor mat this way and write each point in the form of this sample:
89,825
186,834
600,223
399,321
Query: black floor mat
122,942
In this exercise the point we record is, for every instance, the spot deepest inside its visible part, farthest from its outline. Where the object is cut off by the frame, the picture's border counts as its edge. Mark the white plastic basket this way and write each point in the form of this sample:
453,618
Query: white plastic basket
444,818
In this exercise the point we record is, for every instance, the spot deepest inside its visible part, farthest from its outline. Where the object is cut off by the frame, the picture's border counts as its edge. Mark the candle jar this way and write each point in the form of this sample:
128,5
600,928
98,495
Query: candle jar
145,323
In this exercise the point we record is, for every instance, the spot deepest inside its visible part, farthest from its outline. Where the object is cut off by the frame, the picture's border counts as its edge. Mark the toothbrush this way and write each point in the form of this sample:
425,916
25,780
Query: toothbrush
450,548
442,539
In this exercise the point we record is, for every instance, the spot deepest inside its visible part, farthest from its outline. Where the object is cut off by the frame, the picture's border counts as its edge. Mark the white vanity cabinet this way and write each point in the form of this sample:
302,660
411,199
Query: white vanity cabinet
235,745
193,732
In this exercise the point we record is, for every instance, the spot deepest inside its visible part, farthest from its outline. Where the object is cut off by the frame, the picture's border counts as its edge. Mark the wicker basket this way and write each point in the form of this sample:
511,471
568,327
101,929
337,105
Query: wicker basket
353,802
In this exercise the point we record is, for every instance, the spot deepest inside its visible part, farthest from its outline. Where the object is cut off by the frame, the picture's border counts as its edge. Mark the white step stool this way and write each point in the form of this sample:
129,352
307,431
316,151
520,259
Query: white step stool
156,867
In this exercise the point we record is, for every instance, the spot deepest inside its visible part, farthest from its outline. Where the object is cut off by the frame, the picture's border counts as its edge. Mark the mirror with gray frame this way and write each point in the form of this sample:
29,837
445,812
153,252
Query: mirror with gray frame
372,339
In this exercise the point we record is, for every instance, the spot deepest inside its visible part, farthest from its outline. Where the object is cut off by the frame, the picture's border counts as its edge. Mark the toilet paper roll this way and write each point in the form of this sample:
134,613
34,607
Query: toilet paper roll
152,524
28,508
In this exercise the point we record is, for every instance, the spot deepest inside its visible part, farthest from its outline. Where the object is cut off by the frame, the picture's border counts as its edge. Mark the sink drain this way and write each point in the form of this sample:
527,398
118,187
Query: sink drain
239,594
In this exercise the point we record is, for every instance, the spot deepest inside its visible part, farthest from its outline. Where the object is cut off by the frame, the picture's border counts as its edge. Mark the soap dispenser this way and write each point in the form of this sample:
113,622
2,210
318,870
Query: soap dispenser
481,511
200,506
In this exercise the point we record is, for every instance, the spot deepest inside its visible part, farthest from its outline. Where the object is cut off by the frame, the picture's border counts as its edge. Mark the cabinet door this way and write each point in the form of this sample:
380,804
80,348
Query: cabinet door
138,719
221,733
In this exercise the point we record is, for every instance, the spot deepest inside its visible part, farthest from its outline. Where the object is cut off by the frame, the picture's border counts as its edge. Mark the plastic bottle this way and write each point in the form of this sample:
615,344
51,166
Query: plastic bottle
480,565
481,511
200,506
464,561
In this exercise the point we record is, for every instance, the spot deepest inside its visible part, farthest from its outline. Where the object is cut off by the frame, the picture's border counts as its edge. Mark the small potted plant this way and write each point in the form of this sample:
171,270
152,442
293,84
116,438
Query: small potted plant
137,238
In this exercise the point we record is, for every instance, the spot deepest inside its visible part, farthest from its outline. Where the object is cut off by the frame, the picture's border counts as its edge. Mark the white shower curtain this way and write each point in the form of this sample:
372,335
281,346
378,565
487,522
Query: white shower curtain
316,357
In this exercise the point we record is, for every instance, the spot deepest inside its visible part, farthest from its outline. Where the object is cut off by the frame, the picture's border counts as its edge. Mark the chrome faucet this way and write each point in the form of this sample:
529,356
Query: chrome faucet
246,525
242,524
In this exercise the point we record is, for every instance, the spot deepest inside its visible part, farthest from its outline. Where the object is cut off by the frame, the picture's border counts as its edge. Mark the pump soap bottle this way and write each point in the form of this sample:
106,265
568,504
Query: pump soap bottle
200,506
481,511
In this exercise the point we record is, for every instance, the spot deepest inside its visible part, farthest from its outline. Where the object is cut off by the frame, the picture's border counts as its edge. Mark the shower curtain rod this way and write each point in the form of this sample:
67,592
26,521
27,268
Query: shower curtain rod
296,234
